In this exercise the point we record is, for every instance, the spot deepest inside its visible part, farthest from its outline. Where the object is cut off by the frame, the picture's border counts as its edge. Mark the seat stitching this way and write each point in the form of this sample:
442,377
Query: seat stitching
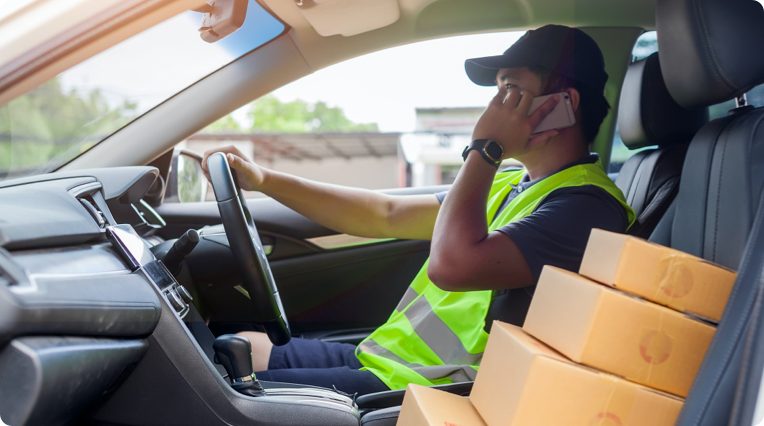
749,159
704,194
642,104
718,189
716,68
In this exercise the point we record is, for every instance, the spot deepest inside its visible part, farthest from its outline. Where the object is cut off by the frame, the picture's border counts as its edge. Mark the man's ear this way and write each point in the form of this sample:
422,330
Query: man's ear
575,97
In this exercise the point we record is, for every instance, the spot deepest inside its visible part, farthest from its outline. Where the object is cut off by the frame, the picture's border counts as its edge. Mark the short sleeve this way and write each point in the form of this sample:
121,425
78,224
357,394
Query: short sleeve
556,233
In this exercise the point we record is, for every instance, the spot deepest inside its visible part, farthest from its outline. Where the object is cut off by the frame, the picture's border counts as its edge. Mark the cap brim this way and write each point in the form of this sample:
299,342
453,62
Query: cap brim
482,71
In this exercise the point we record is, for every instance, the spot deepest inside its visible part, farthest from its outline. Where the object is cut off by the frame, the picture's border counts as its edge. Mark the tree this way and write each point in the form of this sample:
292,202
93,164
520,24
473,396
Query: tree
270,115
226,124
47,127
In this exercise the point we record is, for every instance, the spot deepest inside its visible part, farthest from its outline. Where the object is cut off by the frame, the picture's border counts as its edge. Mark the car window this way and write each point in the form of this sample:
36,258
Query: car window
394,118
51,125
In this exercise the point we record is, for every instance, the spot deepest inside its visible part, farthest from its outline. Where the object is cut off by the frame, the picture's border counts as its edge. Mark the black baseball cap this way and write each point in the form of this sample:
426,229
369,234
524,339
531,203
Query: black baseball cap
567,51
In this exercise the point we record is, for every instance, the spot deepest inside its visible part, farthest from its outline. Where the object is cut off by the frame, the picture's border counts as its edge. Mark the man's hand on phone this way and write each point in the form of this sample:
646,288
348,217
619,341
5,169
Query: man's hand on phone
506,121
249,175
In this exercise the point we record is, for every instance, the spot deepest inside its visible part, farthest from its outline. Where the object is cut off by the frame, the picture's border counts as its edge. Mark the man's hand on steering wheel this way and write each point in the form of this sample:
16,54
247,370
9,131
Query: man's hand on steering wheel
249,175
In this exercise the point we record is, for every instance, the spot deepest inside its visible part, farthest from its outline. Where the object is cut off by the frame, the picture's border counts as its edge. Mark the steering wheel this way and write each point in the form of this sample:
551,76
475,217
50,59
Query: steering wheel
248,250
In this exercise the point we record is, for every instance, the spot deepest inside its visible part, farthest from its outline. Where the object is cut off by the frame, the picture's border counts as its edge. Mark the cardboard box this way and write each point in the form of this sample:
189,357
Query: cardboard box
616,332
423,406
522,382
661,274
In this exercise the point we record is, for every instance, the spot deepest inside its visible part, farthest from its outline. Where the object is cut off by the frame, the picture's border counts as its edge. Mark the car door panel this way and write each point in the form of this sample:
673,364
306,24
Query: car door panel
328,293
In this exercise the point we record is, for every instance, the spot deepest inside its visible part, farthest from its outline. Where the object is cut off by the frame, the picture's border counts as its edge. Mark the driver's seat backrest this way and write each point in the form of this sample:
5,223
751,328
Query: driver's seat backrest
709,52
648,116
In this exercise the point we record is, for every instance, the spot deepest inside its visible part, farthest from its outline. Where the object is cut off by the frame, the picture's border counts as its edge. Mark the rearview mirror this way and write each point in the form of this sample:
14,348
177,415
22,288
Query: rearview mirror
187,182
222,18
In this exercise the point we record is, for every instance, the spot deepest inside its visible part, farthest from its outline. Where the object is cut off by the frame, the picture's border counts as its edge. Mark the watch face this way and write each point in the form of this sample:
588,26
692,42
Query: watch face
494,151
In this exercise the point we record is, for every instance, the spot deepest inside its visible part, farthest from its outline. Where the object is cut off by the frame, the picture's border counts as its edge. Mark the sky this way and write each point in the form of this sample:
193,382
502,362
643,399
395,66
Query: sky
386,87
163,60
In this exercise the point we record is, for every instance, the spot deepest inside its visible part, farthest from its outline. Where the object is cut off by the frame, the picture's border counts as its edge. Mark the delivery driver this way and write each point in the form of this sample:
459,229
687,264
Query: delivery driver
490,235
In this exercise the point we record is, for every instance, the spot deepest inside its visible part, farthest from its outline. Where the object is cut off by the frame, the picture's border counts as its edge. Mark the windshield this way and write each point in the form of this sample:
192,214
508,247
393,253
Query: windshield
51,125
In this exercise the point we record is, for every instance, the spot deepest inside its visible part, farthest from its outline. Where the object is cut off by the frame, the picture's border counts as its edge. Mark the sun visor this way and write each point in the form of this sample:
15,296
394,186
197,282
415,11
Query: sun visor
348,17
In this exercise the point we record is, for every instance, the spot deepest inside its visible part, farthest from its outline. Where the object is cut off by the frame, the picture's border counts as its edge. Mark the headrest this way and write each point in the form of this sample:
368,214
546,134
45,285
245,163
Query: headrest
647,115
710,49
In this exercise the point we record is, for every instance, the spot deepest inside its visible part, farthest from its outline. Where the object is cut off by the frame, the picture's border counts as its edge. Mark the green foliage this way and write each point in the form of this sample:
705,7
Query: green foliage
48,126
226,124
269,115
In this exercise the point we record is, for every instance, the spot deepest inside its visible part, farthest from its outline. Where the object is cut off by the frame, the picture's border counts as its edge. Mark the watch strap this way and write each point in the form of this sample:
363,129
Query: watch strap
480,145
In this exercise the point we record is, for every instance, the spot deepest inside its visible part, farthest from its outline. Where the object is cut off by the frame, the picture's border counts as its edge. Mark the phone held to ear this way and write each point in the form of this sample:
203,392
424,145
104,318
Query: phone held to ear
562,115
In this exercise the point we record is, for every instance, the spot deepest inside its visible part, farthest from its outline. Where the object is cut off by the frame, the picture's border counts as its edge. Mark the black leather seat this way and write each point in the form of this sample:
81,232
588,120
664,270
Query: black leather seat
709,51
648,116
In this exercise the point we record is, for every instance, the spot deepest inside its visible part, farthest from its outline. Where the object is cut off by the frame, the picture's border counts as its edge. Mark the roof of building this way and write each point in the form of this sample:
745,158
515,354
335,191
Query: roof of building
314,146
454,110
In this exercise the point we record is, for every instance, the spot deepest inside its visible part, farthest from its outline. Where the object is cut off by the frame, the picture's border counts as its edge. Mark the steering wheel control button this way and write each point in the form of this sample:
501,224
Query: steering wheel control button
184,294
175,301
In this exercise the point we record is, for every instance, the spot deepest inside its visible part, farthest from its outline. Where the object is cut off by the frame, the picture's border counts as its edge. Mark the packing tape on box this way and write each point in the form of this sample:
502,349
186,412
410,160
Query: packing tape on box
655,345
606,416
674,278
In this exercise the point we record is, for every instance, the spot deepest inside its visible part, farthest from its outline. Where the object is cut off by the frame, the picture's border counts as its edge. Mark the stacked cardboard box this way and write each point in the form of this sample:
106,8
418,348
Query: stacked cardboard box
663,275
593,354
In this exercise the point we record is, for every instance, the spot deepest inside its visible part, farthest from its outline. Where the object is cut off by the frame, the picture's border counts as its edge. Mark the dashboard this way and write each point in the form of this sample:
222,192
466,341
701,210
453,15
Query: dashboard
69,296
94,329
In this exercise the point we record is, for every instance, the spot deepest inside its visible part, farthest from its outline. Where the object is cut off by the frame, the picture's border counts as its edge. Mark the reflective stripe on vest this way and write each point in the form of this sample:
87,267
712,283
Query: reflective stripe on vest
435,336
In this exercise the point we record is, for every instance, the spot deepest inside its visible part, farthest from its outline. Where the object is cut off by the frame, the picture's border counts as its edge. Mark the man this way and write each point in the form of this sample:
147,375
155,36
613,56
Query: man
490,237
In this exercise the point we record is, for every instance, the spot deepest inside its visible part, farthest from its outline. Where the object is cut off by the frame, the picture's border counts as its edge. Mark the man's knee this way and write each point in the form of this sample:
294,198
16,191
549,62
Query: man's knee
261,349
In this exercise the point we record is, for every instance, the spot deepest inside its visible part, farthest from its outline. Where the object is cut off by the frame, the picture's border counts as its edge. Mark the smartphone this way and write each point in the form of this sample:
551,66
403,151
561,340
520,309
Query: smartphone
562,115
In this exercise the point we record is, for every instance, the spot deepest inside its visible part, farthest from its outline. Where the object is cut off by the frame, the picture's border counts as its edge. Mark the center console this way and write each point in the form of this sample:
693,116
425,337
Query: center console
178,381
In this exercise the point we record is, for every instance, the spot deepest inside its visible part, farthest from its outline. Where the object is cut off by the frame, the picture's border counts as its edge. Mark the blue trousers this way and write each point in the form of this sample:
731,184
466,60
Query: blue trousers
324,364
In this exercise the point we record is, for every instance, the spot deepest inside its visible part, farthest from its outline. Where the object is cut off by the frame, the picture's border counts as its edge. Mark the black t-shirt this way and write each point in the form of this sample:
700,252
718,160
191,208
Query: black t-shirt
555,234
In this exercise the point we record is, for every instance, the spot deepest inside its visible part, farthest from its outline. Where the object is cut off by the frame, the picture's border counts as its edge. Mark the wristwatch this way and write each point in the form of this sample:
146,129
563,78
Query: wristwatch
489,149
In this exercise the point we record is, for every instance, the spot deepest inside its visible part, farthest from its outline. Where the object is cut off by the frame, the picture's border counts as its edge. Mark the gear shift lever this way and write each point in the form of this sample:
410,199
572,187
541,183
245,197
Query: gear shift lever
234,352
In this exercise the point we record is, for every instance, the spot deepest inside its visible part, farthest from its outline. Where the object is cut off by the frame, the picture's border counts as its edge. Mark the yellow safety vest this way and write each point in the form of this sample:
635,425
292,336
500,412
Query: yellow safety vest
436,336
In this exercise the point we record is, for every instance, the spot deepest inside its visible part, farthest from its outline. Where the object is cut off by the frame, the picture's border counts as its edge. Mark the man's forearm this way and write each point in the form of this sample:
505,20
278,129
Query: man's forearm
464,255
461,221
352,211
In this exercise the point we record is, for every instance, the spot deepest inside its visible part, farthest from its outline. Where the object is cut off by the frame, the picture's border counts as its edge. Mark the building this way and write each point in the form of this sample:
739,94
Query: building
431,155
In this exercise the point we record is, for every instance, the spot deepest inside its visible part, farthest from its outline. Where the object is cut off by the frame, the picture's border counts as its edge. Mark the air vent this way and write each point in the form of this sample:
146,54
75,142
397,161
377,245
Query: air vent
10,273
94,211
5,280
89,196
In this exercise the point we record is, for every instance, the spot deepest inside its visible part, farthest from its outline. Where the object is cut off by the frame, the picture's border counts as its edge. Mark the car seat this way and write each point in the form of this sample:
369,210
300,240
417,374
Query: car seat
648,116
709,51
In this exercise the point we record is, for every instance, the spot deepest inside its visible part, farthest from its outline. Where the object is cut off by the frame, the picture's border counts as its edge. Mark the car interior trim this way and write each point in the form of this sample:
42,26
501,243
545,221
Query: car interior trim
339,241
